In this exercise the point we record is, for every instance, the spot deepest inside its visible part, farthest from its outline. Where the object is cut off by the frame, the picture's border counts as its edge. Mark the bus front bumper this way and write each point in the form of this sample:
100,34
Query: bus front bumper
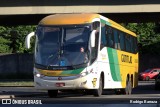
71,82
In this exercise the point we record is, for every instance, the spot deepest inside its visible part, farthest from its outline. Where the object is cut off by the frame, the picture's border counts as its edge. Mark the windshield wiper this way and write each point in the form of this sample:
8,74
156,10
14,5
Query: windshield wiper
40,66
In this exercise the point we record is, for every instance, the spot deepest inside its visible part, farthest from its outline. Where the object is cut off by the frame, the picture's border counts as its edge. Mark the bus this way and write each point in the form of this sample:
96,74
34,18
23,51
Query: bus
84,52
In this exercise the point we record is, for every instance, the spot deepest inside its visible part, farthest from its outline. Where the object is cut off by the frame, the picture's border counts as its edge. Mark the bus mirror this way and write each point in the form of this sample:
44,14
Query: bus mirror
93,33
27,39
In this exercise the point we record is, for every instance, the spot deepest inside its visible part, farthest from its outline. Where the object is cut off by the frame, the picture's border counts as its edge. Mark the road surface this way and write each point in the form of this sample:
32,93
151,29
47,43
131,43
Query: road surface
144,93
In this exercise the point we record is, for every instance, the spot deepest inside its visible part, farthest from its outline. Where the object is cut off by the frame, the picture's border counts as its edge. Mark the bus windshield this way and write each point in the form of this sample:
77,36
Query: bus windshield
62,46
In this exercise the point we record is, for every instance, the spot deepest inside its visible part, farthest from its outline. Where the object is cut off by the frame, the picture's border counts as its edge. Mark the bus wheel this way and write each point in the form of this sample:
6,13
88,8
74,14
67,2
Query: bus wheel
52,93
98,92
128,89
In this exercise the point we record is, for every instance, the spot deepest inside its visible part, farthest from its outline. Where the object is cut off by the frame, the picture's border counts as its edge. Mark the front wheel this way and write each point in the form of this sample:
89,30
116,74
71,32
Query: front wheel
98,92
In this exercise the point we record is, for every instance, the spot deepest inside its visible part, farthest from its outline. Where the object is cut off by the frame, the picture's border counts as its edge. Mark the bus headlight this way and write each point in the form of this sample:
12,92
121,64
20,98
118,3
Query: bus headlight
85,73
37,74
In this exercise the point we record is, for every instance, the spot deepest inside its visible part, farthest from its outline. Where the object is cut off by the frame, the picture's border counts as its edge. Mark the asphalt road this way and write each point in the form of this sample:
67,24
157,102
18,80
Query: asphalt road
143,94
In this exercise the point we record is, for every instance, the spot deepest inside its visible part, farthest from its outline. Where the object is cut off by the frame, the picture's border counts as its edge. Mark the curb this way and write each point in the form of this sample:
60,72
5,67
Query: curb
22,95
7,96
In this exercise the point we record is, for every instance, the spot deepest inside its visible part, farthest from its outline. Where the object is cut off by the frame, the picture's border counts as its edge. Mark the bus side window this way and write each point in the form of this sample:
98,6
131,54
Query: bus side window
122,41
110,37
132,44
128,43
116,40
135,45
103,37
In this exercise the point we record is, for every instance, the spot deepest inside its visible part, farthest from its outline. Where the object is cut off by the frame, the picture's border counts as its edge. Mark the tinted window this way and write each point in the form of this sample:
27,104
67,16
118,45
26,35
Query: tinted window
77,34
128,43
154,70
135,45
109,34
148,70
116,39
103,38
132,45
122,41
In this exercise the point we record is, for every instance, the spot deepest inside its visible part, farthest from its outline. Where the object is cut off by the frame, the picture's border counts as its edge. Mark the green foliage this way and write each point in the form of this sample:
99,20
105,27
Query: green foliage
4,41
12,39
4,47
148,36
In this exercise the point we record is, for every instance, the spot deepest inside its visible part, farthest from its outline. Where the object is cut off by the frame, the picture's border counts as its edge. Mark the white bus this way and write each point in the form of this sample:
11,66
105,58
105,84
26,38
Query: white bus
84,51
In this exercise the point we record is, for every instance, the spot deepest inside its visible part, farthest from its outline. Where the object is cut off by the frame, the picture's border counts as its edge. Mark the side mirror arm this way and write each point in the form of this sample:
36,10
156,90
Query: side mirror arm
93,34
27,39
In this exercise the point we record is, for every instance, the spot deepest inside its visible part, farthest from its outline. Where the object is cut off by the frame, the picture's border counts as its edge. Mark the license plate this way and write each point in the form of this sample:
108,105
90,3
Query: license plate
60,84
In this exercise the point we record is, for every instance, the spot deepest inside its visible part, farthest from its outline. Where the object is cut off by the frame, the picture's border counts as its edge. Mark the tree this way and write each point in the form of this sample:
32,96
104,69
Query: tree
12,38
145,31
4,41
21,32
148,35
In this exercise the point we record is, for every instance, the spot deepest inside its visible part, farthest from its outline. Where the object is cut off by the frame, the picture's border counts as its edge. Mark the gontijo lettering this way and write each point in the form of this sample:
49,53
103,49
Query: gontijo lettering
126,58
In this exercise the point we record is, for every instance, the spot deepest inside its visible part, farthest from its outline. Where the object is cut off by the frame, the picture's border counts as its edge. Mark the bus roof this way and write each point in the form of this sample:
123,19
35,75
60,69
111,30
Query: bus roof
68,19
116,25
81,18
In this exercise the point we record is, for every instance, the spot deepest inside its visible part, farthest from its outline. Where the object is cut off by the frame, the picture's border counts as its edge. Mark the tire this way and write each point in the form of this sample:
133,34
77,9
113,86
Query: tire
52,93
98,92
147,78
128,89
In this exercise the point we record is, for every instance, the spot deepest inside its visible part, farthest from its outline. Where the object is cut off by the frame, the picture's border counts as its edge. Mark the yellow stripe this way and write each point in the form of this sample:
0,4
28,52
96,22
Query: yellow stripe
68,19
118,26
50,72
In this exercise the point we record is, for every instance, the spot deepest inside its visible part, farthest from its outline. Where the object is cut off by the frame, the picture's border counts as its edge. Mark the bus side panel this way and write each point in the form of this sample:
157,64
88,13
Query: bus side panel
128,66
111,71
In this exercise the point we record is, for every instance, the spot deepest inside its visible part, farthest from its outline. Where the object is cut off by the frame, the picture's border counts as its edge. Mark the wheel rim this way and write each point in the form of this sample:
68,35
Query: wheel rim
126,89
98,92
129,87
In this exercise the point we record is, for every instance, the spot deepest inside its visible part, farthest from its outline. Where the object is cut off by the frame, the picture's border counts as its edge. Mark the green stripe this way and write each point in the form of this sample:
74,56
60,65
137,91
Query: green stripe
114,64
105,22
77,71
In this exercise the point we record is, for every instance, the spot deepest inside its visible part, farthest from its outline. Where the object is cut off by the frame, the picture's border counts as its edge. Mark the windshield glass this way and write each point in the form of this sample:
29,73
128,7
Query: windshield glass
62,46
148,70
